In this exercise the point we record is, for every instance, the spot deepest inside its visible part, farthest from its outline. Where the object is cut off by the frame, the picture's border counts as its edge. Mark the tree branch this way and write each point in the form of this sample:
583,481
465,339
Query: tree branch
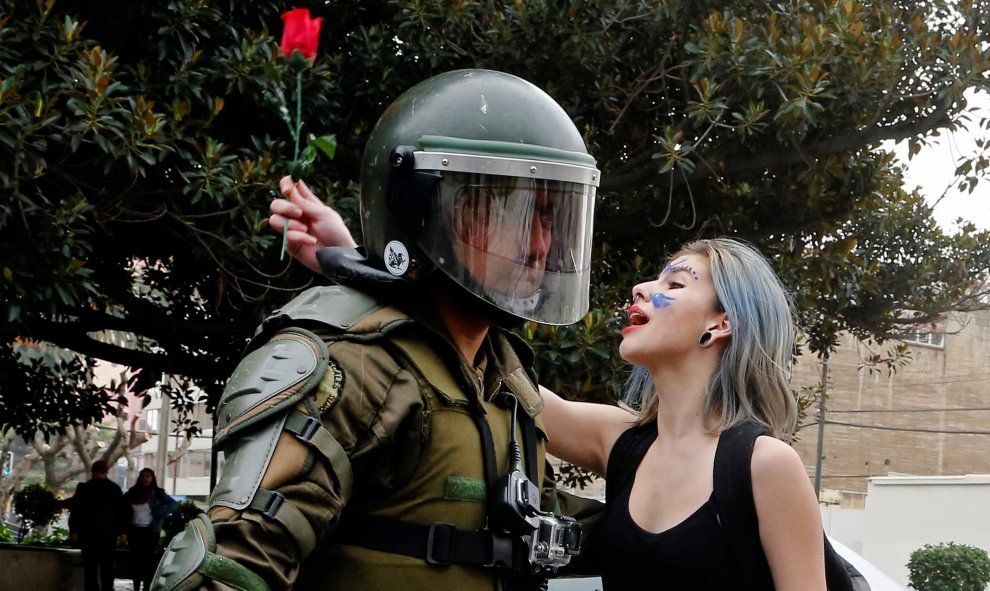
152,324
785,157
73,336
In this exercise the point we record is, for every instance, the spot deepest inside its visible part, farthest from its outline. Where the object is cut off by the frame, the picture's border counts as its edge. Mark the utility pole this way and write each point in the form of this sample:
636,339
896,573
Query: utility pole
175,466
161,461
821,427
213,455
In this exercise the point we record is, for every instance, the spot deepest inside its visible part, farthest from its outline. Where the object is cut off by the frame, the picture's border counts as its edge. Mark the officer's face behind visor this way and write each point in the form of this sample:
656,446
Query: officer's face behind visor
521,244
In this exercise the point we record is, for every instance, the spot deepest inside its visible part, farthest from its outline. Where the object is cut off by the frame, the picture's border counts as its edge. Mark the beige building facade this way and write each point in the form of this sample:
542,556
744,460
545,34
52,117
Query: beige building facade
930,418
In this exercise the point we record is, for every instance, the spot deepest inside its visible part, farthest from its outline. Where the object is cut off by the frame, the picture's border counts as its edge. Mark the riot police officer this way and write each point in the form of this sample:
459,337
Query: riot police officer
384,432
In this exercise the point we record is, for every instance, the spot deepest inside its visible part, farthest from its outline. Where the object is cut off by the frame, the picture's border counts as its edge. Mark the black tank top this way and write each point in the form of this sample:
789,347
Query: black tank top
691,555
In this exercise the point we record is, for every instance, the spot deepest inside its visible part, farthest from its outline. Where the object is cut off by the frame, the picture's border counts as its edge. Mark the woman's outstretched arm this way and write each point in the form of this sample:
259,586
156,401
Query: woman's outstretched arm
583,433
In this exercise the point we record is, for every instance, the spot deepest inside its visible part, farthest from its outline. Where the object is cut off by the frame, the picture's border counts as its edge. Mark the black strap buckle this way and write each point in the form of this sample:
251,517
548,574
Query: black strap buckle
274,504
438,543
309,428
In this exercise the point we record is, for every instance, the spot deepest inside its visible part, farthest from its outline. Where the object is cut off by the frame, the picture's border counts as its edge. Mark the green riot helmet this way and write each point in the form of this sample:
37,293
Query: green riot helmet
482,176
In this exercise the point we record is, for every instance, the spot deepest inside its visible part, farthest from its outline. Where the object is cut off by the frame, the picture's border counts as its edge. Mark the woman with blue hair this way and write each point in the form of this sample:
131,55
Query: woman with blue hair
712,338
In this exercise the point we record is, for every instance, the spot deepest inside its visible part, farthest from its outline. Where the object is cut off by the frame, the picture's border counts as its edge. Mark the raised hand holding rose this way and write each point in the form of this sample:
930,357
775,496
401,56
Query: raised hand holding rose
300,40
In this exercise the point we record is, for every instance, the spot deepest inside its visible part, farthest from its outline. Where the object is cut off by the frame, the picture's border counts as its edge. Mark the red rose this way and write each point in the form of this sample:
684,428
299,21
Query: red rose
301,32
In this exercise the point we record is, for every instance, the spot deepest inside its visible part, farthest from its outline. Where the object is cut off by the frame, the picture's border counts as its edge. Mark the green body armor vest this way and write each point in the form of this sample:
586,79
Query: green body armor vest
445,480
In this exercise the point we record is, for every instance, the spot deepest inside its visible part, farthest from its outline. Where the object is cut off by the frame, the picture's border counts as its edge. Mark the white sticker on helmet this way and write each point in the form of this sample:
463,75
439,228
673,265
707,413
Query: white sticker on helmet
396,258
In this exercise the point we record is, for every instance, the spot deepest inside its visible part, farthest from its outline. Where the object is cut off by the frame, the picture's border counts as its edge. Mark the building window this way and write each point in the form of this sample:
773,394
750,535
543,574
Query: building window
928,338
195,464
151,420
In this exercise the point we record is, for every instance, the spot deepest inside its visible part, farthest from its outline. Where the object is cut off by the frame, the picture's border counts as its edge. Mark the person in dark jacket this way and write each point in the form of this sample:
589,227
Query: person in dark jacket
96,520
149,506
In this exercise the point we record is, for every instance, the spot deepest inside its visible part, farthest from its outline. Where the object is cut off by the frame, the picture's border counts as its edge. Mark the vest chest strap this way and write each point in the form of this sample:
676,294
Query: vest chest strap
437,543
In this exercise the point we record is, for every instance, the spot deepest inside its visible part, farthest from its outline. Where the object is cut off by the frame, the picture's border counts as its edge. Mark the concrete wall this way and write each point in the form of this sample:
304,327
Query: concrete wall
27,568
845,525
905,513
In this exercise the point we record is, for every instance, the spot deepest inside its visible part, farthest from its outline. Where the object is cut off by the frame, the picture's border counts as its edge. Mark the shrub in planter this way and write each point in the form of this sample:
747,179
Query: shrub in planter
945,567
37,506
6,535
58,537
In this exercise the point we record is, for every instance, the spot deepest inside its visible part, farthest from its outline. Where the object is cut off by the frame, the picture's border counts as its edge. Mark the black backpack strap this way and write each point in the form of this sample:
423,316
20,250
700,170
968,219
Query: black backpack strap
736,510
632,444
839,573
734,505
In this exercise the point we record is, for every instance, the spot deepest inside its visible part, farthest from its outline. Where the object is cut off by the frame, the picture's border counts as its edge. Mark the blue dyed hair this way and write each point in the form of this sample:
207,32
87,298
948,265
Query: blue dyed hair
751,383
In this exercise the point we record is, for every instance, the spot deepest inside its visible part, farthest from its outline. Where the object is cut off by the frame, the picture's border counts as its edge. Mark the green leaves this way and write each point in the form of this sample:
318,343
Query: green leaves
949,566
327,144
150,138
579,362
301,166
59,387
673,151
37,504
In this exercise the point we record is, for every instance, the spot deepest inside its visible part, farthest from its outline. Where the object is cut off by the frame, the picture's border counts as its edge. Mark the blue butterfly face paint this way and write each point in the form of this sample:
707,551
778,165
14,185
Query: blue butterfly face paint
661,300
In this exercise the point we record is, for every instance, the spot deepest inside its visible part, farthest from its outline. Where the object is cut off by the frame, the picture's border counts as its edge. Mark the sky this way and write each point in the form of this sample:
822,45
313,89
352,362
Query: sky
933,171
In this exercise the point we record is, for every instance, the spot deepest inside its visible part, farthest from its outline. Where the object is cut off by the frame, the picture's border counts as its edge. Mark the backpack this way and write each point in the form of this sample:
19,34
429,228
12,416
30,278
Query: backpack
736,510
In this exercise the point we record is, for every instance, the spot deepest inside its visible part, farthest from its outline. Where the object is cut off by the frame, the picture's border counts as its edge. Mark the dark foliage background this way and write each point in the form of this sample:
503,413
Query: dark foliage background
140,144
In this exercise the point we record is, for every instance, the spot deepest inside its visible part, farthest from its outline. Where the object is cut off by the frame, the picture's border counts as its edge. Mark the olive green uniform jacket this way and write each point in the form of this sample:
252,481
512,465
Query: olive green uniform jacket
398,397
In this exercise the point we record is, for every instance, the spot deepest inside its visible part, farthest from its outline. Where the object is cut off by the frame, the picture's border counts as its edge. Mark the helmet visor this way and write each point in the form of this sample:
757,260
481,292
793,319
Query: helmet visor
521,244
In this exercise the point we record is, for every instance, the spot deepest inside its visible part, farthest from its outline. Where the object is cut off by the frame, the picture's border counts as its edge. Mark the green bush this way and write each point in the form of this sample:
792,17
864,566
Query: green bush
58,537
37,506
949,567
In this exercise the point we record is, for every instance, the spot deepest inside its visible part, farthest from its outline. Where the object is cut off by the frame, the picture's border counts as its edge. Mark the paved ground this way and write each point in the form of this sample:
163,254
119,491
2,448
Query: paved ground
123,585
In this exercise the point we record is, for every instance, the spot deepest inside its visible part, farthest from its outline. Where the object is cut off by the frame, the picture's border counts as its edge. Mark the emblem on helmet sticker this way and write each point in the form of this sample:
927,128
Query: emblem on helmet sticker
396,258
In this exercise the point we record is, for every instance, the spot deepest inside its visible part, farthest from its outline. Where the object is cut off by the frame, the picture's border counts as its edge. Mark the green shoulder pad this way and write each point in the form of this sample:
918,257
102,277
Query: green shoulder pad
337,306
270,380
350,313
